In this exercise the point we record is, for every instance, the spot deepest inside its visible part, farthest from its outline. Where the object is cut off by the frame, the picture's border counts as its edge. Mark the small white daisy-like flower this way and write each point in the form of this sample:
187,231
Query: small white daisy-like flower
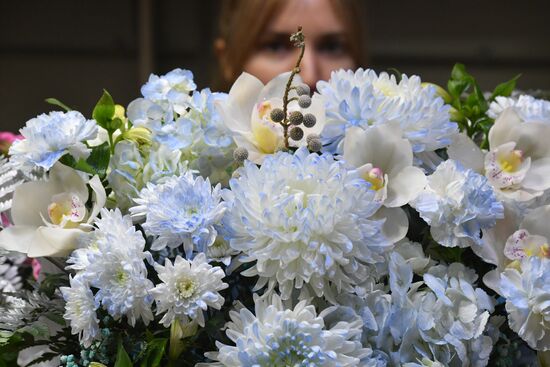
527,107
181,210
458,203
49,137
80,310
306,221
188,288
299,337
113,263
363,98
527,291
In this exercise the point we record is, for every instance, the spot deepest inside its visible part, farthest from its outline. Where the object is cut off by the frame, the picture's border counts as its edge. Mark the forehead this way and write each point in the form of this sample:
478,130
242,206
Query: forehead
317,17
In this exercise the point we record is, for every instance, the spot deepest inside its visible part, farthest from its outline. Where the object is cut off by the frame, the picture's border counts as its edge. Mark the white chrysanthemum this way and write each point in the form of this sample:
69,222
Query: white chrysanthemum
527,107
458,203
297,337
188,288
113,263
80,310
49,137
304,219
527,293
363,98
181,210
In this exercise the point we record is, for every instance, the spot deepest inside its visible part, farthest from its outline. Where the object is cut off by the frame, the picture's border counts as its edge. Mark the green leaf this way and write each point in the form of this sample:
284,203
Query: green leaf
459,72
122,358
99,159
154,353
505,89
96,164
58,103
104,110
457,87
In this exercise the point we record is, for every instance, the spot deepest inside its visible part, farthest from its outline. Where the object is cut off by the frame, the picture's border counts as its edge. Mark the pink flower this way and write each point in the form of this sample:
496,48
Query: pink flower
36,267
6,140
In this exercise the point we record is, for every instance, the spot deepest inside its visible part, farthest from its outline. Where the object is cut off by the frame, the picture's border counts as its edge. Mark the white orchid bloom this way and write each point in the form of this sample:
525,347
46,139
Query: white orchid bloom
513,239
385,159
246,113
49,216
518,162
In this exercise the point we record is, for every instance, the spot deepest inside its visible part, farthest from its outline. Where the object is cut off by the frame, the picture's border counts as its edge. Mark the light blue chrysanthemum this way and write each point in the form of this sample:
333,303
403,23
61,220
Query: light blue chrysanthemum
363,98
297,337
114,262
458,203
306,221
181,210
49,137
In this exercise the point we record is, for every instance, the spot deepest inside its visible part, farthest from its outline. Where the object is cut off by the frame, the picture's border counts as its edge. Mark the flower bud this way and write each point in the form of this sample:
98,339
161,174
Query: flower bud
277,115
240,154
139,135
296,133
309,120
304,101
302,89
295,117
314,145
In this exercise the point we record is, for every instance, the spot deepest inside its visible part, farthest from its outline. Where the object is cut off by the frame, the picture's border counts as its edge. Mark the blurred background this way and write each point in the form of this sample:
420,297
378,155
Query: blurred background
70,49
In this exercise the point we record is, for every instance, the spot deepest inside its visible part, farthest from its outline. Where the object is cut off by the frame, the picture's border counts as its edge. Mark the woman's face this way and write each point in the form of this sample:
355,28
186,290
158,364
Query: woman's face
326,43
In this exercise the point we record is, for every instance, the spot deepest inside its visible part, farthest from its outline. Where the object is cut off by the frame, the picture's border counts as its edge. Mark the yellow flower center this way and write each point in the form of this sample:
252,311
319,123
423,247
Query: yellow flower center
66,210
264,130
186,287
510,162
376,178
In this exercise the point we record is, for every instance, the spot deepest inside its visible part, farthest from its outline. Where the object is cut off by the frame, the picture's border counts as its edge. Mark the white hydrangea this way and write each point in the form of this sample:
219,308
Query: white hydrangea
113,262
48,137
279,336
527,107
458,203
173,87
188,288
527,292
181,210
80,310
305,220
363,98
130,170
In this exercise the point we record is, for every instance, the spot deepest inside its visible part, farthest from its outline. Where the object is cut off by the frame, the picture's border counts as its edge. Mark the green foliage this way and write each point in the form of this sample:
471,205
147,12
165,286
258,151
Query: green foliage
58,103
122,358
95,164
104,111
154,352
470,105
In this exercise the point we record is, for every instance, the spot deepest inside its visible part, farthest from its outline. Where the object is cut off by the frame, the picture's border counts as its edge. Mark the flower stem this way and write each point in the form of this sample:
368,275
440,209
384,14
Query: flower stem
294,71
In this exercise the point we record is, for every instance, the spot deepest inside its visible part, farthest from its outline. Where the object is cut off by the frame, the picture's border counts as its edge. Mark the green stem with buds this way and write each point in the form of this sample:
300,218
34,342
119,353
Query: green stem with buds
288,87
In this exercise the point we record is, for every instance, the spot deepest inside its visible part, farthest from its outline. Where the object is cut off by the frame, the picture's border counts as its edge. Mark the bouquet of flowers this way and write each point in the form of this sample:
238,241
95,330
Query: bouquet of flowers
379,221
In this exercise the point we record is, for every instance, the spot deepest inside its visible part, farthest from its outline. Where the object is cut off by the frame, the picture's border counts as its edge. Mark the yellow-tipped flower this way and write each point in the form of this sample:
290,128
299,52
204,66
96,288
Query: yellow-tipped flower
139,135
440,92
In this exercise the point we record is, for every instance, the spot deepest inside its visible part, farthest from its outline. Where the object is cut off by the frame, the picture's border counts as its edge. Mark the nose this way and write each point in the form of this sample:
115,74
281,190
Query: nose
309,69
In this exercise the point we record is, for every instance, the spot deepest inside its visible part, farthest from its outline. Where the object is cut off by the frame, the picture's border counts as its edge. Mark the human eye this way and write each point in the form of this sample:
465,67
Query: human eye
276,45
332,45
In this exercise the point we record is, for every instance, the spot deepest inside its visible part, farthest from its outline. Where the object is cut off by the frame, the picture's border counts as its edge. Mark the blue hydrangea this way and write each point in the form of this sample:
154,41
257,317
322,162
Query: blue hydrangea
458,204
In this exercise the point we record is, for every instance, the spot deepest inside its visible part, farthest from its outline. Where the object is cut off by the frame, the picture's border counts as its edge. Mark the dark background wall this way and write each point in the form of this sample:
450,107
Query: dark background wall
71,49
